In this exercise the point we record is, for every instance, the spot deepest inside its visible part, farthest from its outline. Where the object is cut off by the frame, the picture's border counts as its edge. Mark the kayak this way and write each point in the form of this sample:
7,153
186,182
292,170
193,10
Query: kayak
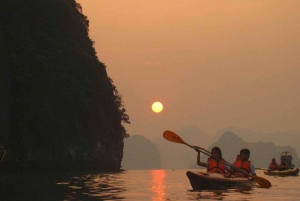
288,172
215,181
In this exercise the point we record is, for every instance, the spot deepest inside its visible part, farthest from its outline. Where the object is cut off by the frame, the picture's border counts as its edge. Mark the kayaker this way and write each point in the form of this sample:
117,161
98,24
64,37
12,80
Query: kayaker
273,165
213,164
244,164
283,165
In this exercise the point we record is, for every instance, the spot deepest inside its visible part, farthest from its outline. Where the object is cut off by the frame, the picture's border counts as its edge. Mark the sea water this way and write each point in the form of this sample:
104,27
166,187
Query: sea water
133,185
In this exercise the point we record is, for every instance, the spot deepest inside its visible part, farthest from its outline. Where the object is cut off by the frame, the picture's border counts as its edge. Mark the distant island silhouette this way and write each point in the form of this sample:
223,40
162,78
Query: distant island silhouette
178,156
140,153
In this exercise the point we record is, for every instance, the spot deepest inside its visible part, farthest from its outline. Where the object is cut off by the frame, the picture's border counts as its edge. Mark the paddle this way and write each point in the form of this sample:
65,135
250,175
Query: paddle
173,137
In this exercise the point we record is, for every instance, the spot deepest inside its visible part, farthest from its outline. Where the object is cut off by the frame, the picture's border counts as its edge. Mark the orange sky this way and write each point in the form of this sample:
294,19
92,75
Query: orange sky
212,64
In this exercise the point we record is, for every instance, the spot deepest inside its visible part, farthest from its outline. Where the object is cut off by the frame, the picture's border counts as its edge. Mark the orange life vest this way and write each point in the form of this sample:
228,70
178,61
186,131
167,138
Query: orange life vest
216,166
273,166
244,166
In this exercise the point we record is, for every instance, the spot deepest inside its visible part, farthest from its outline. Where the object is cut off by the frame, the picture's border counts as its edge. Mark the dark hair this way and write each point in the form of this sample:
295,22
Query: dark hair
245,151
217,149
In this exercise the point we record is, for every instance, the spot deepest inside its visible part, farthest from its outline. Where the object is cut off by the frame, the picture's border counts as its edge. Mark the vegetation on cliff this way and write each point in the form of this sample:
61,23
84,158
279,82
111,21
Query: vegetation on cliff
57,101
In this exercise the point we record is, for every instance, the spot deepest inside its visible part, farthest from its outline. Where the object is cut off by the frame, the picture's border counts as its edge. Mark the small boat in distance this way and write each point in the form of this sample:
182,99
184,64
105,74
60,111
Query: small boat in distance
287,157
290,171
282,173
214,181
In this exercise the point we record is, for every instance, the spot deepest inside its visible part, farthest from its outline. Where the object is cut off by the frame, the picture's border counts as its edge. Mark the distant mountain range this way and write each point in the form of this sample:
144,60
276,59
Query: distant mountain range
261,152
279,139
139,152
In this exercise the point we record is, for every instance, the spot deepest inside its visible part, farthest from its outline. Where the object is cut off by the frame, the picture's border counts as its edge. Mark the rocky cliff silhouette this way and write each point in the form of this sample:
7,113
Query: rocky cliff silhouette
59,108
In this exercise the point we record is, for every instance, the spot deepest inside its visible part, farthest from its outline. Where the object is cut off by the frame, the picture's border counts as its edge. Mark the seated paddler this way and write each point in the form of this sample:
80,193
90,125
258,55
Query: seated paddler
243,164
283,165
273,165
214,163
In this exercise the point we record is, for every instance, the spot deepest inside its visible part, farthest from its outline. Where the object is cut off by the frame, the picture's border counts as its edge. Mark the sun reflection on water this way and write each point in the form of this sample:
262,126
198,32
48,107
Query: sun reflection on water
158,185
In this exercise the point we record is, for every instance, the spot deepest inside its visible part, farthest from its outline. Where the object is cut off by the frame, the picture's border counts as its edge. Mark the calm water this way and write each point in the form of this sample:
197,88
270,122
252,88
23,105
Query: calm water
133,185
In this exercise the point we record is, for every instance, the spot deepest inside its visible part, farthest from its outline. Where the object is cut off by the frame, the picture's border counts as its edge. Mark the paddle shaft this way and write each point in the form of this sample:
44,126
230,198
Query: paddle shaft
200,148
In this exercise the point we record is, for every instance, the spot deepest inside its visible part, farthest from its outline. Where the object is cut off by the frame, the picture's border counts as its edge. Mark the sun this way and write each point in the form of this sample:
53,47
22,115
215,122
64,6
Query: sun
157,107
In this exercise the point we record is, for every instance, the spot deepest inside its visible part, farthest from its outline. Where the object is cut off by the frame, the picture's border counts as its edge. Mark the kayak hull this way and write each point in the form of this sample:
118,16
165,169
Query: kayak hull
214,181
288,172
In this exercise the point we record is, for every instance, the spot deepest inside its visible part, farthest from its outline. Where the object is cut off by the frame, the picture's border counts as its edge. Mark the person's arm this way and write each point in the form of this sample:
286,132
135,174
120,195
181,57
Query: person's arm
252,169
231,169
199,162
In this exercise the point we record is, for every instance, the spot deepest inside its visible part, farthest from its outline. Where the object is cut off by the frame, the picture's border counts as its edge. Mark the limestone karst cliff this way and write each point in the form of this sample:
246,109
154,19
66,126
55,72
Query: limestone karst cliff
58,105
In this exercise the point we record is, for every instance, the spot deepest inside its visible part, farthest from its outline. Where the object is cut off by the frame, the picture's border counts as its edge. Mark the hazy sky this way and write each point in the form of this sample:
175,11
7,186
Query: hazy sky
212,63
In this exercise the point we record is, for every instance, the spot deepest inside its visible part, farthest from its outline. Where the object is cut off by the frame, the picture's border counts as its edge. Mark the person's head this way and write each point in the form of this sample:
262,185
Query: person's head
273,160
216,152
244,154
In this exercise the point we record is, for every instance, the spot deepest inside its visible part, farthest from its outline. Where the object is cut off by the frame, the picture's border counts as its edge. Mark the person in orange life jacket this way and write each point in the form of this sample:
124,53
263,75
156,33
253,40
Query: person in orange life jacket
273,165
213,164
283,165
243,163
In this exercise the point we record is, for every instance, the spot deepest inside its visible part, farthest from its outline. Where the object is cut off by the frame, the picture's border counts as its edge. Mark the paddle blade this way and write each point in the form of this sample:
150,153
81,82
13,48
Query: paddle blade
264,183
173,137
